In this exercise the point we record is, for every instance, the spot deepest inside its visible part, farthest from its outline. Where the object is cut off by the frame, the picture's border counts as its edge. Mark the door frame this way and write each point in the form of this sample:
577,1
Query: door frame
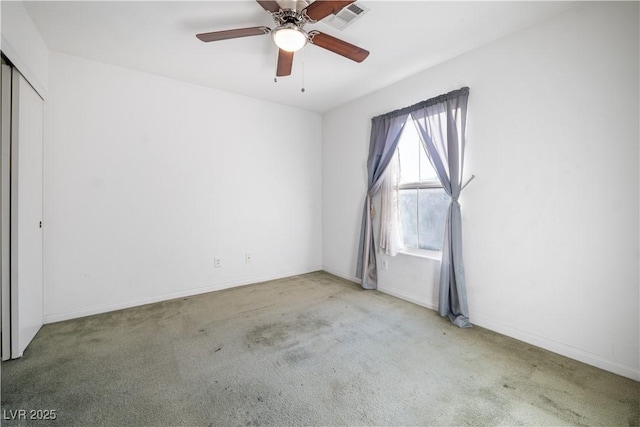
5,209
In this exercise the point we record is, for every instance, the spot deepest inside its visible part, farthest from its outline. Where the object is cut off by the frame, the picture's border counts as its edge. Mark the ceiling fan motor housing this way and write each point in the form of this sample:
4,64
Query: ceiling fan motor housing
290,16
297,5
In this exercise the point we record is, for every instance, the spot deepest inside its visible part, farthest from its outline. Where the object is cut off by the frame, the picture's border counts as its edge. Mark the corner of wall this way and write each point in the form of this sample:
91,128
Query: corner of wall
23,45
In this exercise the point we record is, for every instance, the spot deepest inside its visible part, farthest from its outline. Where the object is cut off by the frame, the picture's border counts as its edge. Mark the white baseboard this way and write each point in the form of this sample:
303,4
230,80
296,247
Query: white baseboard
427,304
538,341
59,317
560,348
341,274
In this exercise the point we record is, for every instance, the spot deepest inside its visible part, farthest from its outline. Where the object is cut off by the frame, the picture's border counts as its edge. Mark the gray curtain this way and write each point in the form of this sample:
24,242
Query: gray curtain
441,121
385,133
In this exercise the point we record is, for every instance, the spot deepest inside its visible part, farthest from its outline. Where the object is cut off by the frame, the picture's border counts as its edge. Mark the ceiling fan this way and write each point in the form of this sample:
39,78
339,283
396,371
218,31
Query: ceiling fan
289,34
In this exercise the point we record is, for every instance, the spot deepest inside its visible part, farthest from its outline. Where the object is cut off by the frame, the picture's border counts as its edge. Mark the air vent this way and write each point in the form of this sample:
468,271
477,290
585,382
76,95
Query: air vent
346,16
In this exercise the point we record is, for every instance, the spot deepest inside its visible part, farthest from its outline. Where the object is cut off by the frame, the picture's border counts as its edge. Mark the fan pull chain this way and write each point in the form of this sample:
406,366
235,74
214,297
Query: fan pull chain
302,90
275,78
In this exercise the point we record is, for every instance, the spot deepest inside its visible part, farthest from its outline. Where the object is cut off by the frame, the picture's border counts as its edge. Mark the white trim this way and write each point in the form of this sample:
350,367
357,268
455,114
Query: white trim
536,340
560,348
14,215
428,304
348,277
59,317
422,253
422,185
23,68
5,204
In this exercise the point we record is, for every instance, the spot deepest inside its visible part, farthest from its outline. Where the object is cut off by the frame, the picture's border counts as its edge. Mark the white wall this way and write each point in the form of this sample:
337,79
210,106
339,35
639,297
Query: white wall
551,222
148,179
22,44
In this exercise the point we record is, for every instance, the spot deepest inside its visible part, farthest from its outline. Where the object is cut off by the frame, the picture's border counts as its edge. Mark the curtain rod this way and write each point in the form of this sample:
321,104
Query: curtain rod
427,103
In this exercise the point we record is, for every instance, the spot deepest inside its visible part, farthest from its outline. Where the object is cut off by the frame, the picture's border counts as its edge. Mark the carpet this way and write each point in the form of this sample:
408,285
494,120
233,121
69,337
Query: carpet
306,350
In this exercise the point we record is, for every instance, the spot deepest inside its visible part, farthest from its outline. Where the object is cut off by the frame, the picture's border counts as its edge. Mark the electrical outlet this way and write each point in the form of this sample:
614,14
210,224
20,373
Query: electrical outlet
385,264
217,262
247,258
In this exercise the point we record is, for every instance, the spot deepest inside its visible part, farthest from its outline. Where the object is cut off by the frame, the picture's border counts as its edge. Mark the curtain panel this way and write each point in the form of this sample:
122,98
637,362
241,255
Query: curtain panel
441,123
391,240
385,133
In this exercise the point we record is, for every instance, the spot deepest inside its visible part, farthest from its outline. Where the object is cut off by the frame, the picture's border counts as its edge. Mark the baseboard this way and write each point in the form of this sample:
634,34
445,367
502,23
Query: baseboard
428,304
542,342
59,317
383,289
341,274
538,341
560,348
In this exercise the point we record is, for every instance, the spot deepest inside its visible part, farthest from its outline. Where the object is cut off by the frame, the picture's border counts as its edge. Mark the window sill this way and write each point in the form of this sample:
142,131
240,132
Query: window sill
422,253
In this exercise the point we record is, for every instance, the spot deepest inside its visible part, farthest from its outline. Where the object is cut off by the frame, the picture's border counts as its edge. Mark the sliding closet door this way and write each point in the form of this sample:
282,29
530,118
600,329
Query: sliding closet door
27,293
5,208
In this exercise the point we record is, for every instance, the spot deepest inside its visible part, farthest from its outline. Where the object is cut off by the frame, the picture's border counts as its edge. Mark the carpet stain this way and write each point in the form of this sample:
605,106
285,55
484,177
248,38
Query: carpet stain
297,356
269,335
293,355
561,411
634,416
285,334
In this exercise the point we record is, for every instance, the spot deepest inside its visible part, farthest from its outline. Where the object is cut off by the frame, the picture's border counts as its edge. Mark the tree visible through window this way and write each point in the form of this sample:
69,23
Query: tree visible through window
423,202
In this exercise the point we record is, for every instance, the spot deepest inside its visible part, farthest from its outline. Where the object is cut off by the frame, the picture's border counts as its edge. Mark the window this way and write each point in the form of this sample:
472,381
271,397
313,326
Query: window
423,202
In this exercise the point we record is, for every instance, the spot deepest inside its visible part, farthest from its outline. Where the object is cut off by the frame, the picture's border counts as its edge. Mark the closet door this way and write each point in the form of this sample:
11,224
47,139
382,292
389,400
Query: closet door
5,208
27,293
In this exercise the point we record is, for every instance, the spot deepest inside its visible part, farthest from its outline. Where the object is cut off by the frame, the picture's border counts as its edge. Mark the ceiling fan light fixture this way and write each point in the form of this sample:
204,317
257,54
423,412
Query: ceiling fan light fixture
289,37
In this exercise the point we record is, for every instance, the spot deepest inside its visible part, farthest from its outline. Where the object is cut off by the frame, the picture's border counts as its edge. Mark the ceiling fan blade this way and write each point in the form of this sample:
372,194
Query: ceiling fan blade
338,46
269,5
285,62
233,34
320,9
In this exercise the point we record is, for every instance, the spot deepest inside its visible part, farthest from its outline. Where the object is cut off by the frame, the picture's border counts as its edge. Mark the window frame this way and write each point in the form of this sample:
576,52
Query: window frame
427,184
422,185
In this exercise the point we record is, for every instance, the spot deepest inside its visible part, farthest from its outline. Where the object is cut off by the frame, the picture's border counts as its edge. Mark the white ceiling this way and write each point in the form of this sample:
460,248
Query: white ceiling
158,37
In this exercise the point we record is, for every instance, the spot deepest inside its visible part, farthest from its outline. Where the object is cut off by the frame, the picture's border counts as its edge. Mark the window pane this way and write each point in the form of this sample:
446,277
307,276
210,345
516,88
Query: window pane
432,212
427,171
422,212
409,153
414,162
409,217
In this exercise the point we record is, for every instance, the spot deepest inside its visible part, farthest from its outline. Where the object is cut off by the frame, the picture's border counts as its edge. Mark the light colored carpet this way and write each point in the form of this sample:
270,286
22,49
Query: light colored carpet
306,350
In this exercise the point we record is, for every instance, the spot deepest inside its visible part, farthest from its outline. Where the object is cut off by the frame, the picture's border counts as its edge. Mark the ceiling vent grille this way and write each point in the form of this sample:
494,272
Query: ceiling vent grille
346,16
